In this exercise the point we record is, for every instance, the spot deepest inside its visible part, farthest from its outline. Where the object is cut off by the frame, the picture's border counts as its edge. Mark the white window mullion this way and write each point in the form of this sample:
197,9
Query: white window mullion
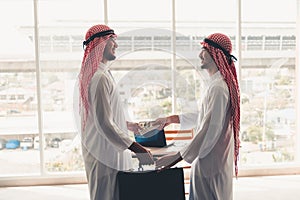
173,58
38,87
298,82
105,12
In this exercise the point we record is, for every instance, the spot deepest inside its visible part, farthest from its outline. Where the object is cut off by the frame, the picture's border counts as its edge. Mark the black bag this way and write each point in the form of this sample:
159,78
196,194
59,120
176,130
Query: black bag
154,138
151,185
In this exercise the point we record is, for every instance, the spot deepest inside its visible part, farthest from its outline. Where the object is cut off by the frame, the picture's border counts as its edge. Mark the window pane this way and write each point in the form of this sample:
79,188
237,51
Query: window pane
61,37
18,104
268,129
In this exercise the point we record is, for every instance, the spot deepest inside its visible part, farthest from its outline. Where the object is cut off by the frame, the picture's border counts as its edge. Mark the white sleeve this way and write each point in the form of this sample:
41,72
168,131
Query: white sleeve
188,120
211,126
103,115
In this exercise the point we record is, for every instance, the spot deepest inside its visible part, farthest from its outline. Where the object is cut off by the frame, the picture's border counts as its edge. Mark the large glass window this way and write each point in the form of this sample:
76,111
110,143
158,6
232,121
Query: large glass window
155,69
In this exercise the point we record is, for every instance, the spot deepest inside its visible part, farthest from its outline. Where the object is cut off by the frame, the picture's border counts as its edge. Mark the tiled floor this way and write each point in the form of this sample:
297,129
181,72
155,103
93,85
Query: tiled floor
252,188
267,188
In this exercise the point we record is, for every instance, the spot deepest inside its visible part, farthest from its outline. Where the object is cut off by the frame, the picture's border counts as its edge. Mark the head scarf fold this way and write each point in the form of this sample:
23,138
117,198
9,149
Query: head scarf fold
219,47
95,41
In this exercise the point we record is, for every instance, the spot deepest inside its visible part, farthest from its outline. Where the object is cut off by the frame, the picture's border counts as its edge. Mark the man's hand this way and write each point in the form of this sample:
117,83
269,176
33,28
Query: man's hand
134,127
145,158
143,155
166,121
167,161
162,122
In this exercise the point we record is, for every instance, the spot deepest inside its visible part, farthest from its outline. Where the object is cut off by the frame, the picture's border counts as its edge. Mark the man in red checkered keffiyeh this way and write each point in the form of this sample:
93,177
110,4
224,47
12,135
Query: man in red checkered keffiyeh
96,39
214,149
219,47
104,129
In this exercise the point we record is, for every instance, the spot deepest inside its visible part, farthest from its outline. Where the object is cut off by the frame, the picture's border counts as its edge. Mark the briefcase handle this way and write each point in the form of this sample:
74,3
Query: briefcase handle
140,168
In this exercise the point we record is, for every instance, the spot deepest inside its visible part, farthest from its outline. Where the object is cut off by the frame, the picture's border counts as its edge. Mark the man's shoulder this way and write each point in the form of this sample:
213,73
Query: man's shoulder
100,78
100,75
219,86
218,83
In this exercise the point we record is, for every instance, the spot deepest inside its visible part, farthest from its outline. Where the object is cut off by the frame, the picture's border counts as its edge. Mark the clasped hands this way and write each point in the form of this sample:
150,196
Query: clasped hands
161,122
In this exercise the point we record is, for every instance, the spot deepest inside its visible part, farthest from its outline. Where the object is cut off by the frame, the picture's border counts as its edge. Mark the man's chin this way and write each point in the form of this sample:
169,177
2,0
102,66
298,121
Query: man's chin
204,66
112,57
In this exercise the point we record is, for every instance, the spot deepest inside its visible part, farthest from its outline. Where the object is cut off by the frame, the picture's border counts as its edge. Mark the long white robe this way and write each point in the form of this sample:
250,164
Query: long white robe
211,150
105,139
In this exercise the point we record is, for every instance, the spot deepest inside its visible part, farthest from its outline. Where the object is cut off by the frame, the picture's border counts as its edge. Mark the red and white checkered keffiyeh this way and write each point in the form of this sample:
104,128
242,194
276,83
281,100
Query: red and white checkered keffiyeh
92,57
219,47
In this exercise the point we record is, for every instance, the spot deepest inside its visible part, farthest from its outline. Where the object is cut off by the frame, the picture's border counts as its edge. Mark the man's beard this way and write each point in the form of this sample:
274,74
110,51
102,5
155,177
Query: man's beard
206,65
110,57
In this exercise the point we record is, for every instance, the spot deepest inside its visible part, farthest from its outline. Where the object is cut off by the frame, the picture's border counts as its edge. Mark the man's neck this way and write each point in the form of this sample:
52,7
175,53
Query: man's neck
104,61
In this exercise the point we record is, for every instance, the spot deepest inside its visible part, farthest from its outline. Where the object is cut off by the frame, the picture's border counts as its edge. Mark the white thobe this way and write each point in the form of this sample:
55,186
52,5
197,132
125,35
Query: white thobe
105,140
211,150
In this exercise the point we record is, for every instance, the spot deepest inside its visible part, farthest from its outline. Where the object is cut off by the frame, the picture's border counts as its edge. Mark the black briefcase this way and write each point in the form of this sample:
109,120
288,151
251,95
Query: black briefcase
151,185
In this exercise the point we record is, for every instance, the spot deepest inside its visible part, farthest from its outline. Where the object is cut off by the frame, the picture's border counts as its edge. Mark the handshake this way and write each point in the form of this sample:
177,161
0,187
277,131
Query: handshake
143,127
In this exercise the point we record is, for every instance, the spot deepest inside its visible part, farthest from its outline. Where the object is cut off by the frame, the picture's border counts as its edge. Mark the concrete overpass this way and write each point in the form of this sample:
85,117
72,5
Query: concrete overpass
64,53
